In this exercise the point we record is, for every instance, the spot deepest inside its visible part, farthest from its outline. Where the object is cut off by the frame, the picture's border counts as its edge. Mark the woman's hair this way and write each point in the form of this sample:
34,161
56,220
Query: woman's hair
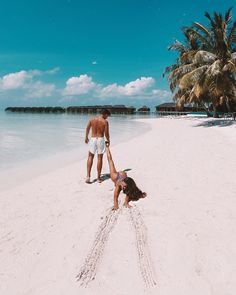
132,191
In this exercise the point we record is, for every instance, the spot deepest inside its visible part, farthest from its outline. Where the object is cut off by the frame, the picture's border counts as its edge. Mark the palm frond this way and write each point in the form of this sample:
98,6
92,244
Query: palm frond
228,15
188,80
218,20
215,69
180,47
202,28
181,97
204,57
207,15
233,56
231,39
184,69
230,67
191,40
195,93
177,74
187,57
204,40
170,69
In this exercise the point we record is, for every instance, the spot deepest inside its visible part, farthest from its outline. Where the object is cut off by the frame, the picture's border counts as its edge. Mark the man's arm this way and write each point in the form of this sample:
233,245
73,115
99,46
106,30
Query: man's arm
87,132
107,131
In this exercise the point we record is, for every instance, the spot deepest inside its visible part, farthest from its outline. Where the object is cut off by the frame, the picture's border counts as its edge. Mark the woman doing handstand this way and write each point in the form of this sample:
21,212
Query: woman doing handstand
123,182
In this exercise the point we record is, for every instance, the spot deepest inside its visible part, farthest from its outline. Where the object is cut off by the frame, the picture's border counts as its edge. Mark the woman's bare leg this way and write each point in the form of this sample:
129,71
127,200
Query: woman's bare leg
113,172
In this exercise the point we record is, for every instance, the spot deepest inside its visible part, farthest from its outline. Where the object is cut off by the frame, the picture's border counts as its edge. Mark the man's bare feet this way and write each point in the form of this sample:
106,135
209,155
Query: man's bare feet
99,180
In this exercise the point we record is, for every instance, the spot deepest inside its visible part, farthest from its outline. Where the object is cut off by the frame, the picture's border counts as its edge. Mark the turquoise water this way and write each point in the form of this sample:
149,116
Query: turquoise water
25,137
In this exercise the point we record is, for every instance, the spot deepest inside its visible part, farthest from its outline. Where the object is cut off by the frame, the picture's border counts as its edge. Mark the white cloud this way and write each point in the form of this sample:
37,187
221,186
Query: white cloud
133,88
15,80
141,88
84,84
52,71
46,72
40,89
28,84
24,80
79,85
161,93
138,86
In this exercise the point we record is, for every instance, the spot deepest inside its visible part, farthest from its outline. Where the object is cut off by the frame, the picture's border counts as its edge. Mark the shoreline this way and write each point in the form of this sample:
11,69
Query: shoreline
35,168
49,225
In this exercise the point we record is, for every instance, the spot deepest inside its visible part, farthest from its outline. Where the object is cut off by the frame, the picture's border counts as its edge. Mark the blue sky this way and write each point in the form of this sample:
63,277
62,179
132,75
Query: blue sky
72,52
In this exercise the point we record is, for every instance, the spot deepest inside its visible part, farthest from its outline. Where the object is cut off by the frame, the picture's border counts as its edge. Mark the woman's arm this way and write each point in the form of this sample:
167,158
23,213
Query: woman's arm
107,134
116,196
126,203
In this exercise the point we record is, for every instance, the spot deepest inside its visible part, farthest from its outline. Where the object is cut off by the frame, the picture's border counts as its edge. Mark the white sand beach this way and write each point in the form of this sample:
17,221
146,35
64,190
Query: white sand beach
180,240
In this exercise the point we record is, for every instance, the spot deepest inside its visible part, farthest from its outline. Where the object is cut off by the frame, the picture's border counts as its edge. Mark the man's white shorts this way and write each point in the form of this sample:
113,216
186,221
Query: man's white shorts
97,145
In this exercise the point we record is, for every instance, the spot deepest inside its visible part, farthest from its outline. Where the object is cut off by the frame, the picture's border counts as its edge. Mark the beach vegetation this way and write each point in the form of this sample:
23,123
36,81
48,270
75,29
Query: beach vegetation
205,69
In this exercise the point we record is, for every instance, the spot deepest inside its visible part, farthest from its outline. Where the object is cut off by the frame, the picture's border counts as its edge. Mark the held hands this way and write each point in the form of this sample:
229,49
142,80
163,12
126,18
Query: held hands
107,143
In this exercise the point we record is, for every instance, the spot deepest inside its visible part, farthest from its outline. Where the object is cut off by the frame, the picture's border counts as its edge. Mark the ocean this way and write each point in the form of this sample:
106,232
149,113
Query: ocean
28,137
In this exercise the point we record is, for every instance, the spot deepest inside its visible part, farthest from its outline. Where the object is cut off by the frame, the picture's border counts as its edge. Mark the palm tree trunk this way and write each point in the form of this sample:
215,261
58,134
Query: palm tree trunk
228,105
206,109
215,114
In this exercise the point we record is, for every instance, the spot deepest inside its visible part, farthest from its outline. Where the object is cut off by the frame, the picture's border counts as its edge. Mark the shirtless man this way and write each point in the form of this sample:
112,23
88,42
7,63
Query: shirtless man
100,128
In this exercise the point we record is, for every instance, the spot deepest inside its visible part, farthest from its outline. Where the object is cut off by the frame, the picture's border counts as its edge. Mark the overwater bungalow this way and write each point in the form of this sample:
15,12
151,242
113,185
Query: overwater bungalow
36,109
170,108
166,107
114,109
144,109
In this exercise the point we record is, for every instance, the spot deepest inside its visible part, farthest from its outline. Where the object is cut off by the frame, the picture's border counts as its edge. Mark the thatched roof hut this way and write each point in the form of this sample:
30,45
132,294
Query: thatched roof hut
166,107
116,109
172,107
36,109
144,109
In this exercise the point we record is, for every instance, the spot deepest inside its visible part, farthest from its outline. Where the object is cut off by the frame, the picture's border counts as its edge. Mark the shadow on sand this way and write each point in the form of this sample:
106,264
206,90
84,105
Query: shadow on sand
218,123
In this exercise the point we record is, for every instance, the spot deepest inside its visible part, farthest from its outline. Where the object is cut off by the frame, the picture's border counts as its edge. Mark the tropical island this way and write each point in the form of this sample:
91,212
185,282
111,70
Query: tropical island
58,234
203,77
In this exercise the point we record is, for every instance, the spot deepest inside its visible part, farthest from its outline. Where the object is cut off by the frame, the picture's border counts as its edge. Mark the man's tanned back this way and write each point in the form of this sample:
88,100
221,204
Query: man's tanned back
98,126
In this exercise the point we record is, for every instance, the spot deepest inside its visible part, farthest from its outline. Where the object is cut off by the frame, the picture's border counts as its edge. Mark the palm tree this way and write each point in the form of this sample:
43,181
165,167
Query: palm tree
205,71
187,51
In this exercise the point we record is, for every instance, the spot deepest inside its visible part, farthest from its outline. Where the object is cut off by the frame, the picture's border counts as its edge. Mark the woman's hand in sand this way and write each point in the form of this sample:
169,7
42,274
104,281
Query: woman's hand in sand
127,205
116,207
